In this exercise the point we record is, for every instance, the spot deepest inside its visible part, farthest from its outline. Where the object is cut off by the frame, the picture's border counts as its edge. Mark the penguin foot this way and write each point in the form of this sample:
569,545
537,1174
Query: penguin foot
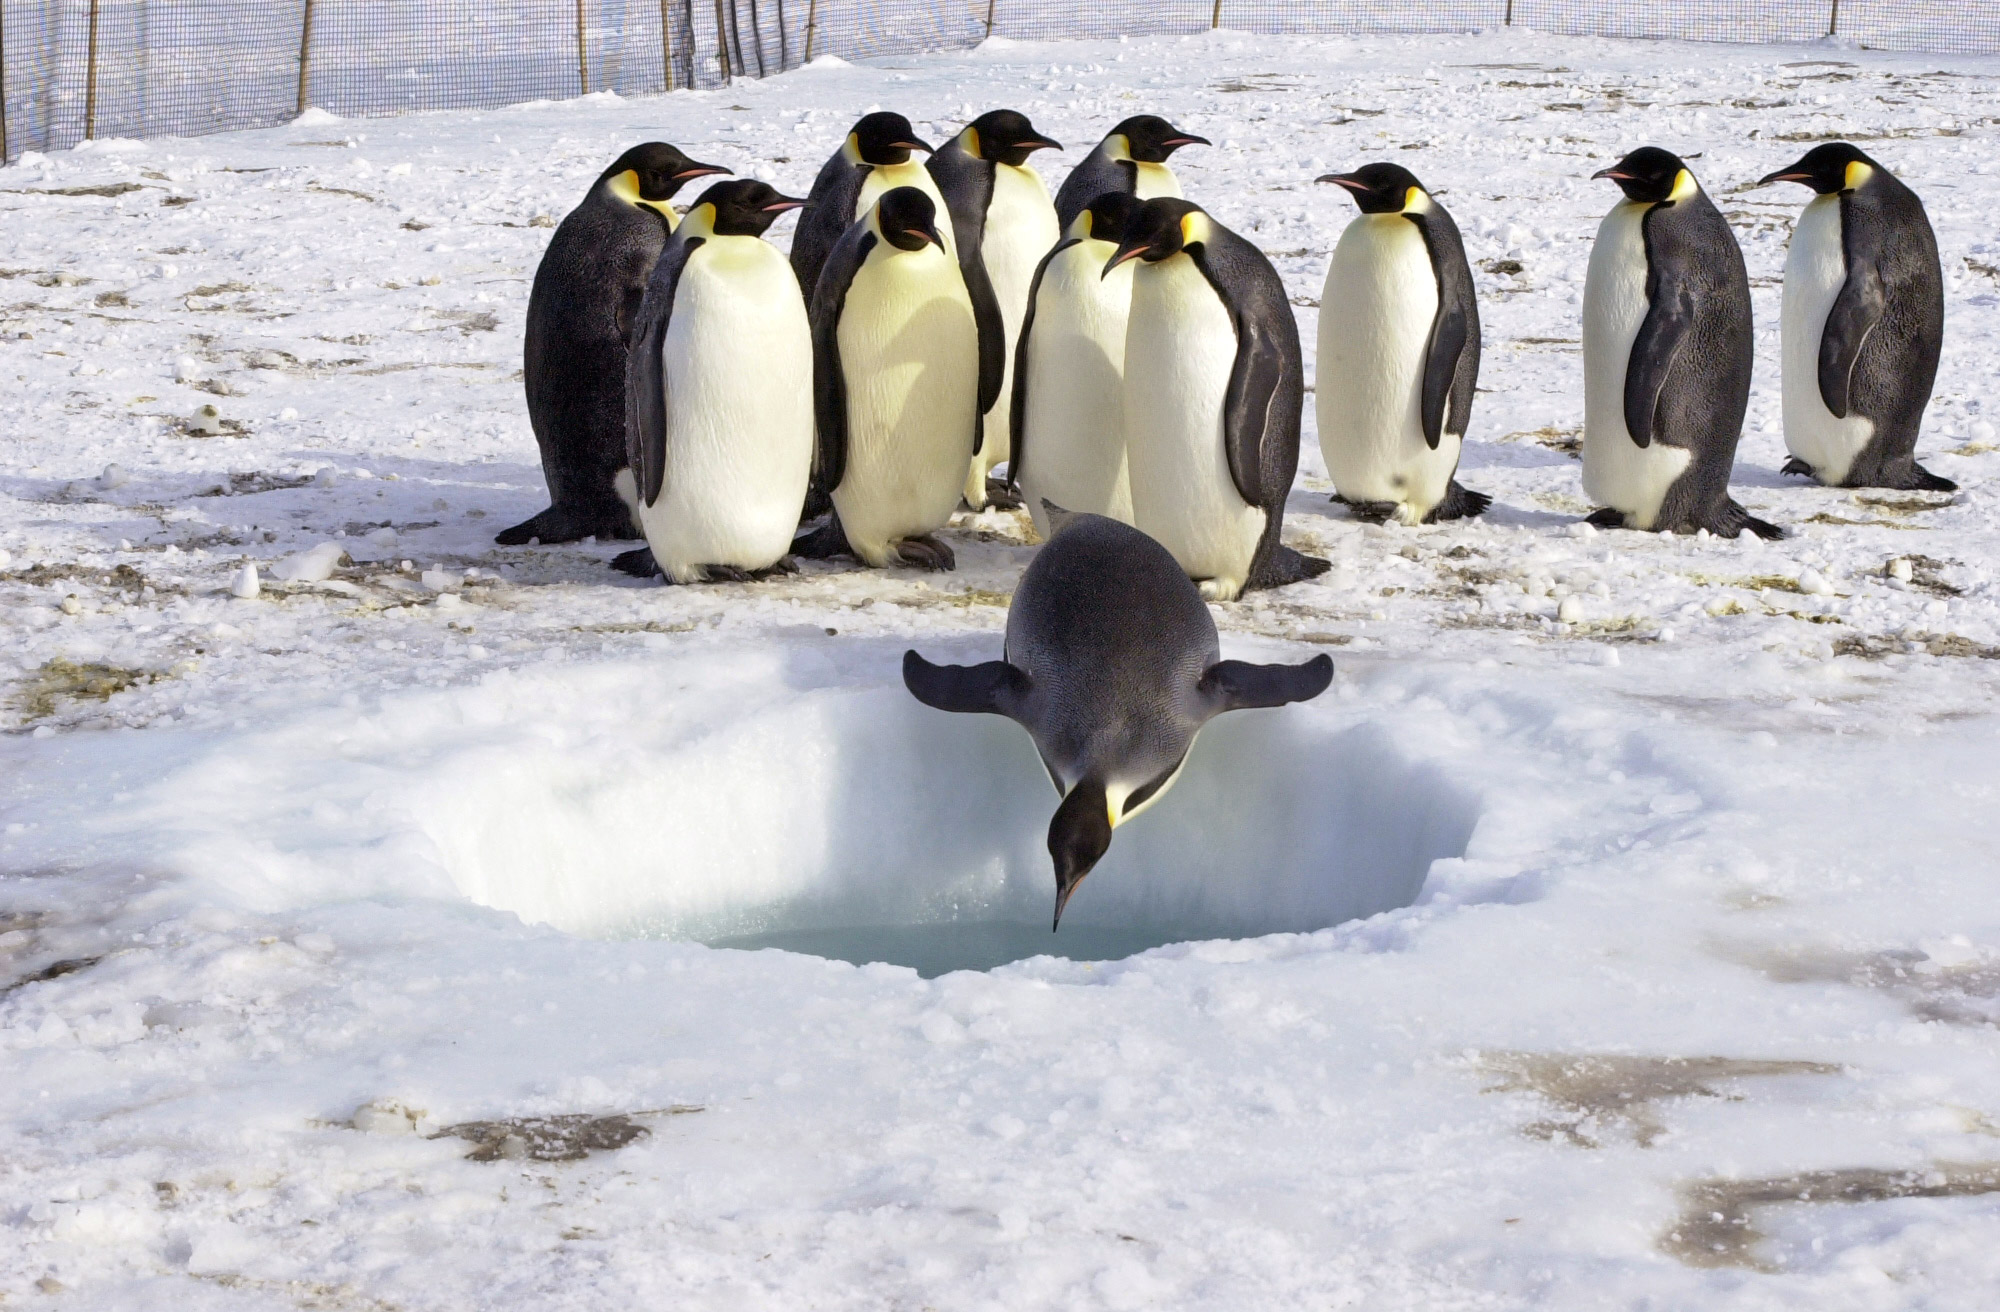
1285,566
1915,478
1368,512
737,574
926,552
1605,517
559,525
1794,465
1459,503
823,543
999,496
1730,519
639,564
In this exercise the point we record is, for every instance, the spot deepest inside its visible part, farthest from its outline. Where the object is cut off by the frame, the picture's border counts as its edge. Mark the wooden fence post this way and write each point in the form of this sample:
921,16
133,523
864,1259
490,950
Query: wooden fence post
1509,20
722,40
812,25
90,80
667,43
757,37
1215,19
1833,22
989,18
305,54
582,53
784,41
3,85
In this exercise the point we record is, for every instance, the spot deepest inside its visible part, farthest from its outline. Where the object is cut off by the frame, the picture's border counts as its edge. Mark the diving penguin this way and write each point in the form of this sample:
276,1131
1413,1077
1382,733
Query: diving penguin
899,385
1004,224
1214,387
1111,664
580,310
1666,356
1863,324
719,395
875,158
1398,353
1069,373
1132,158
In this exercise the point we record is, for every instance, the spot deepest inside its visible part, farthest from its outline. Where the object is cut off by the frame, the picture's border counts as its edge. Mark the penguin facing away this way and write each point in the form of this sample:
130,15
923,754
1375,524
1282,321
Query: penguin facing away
1069,372
1214,388
1132,158
586,292
1398,353
1111,664
1666,356
719,396
898,382
1863,324
875,158
1004,224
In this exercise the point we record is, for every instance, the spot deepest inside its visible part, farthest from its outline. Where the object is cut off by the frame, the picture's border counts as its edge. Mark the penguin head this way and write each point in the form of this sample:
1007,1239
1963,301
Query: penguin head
658,171
884,138
741,207
1005,137
1829,170
1382,188
1079,836
1159,229
1105,218
907,219
1149,139
1650,175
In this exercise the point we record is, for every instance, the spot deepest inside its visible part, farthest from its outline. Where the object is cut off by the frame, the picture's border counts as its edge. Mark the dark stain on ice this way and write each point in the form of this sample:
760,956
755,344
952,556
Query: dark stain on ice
1715,1225
1594,1091
55,970
564,1138
1966,993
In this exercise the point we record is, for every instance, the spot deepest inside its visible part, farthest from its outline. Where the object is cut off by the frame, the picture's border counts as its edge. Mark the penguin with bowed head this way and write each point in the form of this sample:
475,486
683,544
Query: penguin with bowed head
1112,666
874,159
1069,372
1666,356
899,386
1398,353
1132,158
1863,324
586,292
719,396
1004,224
1214,389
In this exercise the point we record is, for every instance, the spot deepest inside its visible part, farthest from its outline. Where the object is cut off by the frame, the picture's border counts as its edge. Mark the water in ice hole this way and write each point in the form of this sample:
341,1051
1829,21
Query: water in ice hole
859,826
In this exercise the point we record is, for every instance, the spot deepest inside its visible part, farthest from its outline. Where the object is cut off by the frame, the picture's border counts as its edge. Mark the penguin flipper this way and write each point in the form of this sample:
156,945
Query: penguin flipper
1246,408
1449,331
1240,685
828,213
992,333
1654,351
1017,414
992,688
645,372
829,382
1856,310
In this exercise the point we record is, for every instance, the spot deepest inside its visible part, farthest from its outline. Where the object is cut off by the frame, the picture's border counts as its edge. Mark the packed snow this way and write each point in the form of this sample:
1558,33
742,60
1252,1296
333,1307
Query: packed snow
1618,931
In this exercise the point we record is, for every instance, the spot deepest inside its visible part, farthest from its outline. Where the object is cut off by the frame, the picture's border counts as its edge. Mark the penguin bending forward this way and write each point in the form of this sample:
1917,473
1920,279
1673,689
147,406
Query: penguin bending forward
1069,373
1666,356
1863,324
1004,224
899,384
875,158
1214,387
586,291
1132,158
1111,665
719,396
1398,353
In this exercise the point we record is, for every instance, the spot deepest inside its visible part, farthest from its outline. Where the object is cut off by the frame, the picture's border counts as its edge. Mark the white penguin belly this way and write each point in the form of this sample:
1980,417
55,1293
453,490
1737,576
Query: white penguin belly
1155,180
1180,347
1075,422
888,177
737,365
1617,472
1020,228
1815,271
909,353
1378,307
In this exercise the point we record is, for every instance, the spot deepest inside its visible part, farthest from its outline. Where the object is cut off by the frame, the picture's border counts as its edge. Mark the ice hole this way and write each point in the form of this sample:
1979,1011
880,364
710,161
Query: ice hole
859,826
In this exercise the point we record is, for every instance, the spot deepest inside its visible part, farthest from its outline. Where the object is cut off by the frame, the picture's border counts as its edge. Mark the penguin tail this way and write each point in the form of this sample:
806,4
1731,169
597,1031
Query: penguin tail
1731,519
1798,467
1919,479
1285,566
1459,503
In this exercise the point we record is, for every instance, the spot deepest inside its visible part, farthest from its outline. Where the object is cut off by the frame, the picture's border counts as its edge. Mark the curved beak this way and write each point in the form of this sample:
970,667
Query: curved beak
694,170
1039,142
1783,175
1613,174
1062,900
912,144
1185,139
1343,180
1123,255
930,233
783,203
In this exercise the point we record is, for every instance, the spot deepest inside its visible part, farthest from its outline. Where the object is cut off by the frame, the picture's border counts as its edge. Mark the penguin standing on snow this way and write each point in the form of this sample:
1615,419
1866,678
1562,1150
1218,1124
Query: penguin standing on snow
1069,372
875,158
899,385
1398,353
1863,324
1214,387
720,416
1004,223
1132,158
1112,666
1666,356
586,291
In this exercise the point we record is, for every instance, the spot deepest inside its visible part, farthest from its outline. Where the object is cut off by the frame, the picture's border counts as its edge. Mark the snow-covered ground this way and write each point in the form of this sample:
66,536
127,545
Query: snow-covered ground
1650,960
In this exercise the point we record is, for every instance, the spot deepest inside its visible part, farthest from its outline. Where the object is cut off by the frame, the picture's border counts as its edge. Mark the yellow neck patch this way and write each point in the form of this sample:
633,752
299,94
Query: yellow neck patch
1857,175
1194,228
625,186
1119,147
971,136
1684,186
700,221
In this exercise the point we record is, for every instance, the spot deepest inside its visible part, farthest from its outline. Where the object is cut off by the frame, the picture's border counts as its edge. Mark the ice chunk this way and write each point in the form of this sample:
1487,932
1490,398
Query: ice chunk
244,586
313,565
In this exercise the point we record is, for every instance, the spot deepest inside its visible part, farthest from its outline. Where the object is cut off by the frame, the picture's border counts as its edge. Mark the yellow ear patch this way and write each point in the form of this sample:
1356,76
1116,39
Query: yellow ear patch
701,219
1414,198
1856,175
1194,228
972,140
1684,186
625,186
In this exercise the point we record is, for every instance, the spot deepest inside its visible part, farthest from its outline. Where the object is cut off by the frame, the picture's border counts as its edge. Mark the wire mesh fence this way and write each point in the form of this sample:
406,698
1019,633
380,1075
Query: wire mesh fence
77,69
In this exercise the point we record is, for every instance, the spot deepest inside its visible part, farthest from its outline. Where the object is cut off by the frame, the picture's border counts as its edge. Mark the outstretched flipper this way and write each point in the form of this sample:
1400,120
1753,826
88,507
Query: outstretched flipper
1459,503
1284,566
1239,685
992,688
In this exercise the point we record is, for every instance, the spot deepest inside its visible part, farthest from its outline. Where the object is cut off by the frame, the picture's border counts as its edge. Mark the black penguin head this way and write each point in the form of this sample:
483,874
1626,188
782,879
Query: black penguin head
1005,137
908,219
1150,138
1158,229
1381,188
742,207
1079,836
1829,170
660,170
1648,175
1107,216
885,138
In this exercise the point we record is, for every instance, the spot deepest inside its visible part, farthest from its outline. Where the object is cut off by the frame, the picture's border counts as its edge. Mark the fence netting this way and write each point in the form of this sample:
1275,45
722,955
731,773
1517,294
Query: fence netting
76,69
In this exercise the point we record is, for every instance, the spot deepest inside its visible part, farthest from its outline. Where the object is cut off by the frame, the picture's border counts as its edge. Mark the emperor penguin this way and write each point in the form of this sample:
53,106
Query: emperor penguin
1069,372
719,411
1004,225
1112,666
899,384
1398,353
1666,356
580,310
1863,324
875,158
1214,387
1132,158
